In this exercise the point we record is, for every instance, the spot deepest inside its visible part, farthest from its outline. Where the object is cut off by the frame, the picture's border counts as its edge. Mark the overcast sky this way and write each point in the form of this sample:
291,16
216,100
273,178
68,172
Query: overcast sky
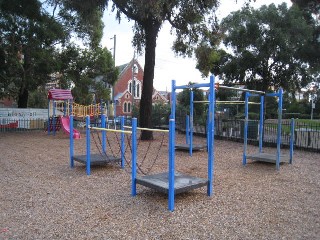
168,66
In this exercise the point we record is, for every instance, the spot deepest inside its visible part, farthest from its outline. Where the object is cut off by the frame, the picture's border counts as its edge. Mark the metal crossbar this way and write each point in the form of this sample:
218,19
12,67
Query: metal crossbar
227,102
110,130
148,129
241,89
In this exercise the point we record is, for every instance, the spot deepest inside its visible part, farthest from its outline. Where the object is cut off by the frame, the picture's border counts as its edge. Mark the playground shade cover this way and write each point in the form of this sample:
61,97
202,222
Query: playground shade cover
65,122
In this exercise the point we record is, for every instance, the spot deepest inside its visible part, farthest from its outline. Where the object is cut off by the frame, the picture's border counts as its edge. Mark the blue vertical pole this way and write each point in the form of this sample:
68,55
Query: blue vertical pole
279,128
208,118
291,139
261,123
104,133
187,129
173,100
88,162
71,142
134,157
245,131
122,141
171,164
191,123
211,137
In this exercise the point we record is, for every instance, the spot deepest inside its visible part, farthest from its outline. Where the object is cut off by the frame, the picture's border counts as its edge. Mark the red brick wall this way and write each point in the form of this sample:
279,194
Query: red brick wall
122,86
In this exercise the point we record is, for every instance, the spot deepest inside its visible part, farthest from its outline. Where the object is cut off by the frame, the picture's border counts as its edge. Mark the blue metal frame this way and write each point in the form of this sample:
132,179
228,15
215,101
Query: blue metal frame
134,157
245,131
104,134
279,94
171,164
261,123
210,137
71,142
187,129
191,123
88,162
279,128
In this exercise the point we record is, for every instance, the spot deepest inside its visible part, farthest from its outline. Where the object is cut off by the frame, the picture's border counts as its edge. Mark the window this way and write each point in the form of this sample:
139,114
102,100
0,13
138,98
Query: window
125,107
138,90
129,107
136,87
130,87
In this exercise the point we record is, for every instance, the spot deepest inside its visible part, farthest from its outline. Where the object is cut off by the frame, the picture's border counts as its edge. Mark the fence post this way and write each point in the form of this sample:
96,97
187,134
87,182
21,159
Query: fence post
122,141
291,139
104,133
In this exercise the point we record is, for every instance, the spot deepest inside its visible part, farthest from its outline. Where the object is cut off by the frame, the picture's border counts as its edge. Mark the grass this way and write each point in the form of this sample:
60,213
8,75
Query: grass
299,123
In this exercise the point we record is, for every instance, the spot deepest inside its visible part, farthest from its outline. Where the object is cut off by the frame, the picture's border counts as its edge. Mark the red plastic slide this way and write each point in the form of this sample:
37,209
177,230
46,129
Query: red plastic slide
65,122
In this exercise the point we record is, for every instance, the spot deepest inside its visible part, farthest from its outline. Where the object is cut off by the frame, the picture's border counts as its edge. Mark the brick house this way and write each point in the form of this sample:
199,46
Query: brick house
123,89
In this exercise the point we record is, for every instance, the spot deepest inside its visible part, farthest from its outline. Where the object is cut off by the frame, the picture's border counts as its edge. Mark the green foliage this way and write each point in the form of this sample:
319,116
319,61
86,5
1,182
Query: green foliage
38,98
160,114
89,70
29,56
28,37
268,48
190,22
199,108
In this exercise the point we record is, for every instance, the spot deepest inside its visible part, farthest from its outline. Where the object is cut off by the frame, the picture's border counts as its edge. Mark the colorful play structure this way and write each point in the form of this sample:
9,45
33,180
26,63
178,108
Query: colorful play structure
61,106
172,182
59,109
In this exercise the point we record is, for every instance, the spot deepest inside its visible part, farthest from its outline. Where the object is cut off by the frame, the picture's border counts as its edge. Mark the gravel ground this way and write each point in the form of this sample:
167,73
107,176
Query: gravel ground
43,198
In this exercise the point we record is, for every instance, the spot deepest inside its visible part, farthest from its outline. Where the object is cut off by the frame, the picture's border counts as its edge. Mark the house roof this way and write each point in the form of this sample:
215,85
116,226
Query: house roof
122,68
60,94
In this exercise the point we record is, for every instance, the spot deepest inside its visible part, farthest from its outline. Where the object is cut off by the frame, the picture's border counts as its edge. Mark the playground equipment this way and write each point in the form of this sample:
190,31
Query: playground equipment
62,98
103,157
172,182
189,145
61,104
65,123
261,156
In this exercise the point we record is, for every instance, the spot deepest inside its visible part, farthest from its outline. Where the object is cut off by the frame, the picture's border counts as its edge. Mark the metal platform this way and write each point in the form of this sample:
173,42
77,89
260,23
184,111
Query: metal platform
267,157
195,147
182,183
96,159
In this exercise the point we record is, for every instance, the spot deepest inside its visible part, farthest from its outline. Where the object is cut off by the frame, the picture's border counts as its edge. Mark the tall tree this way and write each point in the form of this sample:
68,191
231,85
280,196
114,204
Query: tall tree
28,36
267,46
31,38
311,13
89,70
189,20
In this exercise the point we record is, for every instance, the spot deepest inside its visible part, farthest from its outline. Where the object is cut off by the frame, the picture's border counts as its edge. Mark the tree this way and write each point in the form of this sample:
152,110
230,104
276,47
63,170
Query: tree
89,70
266,48
28,36
30,42
199,108
189,21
